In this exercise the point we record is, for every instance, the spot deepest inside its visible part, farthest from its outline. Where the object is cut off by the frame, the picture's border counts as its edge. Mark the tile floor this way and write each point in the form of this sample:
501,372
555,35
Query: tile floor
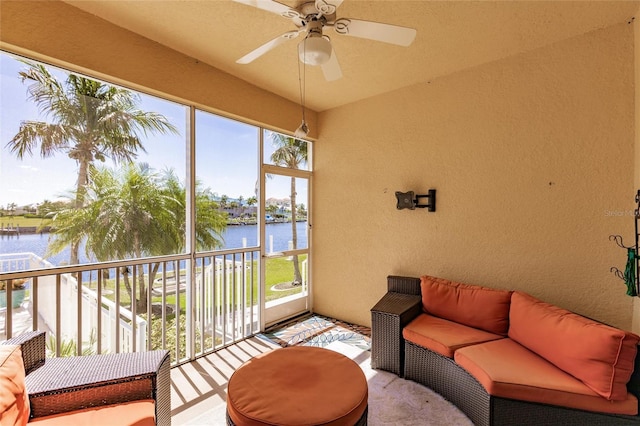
202,384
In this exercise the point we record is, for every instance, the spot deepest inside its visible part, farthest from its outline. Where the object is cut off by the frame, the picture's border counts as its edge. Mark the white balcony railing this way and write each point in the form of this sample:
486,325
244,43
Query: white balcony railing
190,307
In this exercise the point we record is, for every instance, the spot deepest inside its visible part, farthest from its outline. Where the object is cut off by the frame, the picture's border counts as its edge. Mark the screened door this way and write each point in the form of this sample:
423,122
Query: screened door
285,228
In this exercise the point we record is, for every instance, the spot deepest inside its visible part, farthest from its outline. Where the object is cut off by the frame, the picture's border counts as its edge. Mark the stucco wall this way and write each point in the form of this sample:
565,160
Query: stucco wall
532,158
63,35
636,307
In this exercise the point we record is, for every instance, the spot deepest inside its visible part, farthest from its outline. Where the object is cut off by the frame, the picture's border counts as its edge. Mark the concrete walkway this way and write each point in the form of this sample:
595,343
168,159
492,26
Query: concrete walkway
22,320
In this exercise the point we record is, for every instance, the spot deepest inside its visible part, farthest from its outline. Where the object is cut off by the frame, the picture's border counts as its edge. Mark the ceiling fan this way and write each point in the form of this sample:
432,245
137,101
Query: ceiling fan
312,18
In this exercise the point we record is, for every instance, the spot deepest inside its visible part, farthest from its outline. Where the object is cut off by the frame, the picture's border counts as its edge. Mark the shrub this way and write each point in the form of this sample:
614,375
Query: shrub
17,284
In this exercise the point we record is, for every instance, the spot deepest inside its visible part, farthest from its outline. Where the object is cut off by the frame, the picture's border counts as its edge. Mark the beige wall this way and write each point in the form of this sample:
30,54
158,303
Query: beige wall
636,306
532,158
63,35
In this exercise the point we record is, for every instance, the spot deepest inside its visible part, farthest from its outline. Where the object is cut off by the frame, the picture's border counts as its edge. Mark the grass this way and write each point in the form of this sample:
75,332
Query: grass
22,221
278,271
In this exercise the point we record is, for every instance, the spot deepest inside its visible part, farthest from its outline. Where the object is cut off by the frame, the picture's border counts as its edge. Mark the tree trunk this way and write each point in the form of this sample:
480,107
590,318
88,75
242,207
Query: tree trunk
141,301
81,184
297,277
142,291
125,274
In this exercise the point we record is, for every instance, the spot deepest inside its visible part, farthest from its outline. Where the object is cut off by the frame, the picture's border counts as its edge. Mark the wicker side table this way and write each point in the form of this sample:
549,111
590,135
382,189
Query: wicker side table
388,317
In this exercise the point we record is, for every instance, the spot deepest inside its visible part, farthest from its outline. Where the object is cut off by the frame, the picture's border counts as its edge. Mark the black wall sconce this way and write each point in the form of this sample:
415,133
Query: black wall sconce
411,201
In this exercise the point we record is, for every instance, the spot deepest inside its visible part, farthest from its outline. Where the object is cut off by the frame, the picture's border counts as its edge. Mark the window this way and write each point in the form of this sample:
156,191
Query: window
39,184
227,173
92,172
88,171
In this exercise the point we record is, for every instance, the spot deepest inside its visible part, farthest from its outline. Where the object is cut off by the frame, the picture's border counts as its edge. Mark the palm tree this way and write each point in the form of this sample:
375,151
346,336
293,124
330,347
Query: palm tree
251,201
121,217
210,221
272,209
302,210
135,212
224,201
89,121
241,205
292,153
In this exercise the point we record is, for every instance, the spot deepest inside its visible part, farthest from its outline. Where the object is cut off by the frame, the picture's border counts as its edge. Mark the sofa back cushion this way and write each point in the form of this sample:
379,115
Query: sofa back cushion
601,356
14,401
471,305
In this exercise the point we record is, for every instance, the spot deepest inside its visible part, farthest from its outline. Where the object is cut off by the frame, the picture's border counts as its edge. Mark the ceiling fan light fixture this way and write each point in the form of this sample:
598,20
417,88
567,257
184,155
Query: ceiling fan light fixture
314,50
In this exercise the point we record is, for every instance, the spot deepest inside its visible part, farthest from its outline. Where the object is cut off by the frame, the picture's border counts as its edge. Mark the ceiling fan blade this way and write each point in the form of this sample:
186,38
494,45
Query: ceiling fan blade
272,44
394,34
331,68
271,6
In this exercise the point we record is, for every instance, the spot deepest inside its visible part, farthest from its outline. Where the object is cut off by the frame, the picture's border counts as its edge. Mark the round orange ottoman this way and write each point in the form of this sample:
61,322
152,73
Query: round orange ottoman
299,385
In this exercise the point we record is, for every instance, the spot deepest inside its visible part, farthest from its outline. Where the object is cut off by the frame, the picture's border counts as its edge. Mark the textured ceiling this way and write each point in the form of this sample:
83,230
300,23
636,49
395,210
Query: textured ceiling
451,36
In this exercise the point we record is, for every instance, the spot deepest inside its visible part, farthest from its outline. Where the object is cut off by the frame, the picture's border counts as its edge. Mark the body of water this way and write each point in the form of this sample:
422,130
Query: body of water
278,236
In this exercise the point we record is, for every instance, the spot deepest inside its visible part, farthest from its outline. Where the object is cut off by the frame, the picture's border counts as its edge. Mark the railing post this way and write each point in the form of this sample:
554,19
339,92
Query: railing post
113,324
141,334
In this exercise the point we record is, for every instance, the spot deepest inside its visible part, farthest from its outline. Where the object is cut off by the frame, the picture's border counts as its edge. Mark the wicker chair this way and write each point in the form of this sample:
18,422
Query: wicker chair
60,385
389,351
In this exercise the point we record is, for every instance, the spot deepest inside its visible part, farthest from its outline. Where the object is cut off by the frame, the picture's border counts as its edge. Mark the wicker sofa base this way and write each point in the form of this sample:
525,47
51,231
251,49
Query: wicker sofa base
455,384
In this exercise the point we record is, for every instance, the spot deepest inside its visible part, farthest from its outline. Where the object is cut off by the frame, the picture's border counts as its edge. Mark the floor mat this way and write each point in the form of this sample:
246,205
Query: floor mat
317,330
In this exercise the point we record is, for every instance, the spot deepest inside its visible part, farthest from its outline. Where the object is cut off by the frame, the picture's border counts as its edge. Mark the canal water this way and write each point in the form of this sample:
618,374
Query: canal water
278,236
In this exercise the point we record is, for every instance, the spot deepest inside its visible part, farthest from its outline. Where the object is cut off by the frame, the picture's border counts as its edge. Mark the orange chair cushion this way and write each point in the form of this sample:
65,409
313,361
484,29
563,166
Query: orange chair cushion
475,306
299,385
444,336
14,401
507,369
135,413
602,357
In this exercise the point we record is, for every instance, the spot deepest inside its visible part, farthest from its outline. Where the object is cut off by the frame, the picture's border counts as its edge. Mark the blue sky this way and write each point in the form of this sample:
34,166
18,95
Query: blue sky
227,156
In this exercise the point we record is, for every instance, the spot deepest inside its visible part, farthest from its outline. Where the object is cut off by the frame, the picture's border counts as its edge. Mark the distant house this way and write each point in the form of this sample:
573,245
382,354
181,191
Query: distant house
239,212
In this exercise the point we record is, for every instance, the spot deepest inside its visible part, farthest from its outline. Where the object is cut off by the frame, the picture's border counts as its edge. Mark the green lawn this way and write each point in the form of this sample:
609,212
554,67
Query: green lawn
22,221
279,270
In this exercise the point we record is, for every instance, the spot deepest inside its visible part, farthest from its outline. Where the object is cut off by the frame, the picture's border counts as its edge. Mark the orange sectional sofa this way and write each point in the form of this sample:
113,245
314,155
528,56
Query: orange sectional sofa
505,357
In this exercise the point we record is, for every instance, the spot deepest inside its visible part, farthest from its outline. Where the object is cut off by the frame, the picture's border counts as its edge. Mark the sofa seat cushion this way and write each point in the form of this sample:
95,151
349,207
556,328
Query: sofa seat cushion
507,369
138,413
14,401
475,306
444,336
602,357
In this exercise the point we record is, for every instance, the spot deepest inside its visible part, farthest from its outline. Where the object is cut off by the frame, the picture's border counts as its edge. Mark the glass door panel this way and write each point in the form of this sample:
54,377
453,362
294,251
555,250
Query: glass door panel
286,246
